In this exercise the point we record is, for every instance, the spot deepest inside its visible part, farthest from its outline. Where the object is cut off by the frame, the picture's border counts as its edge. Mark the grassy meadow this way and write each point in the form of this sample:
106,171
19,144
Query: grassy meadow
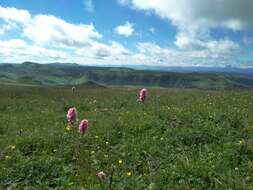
177,139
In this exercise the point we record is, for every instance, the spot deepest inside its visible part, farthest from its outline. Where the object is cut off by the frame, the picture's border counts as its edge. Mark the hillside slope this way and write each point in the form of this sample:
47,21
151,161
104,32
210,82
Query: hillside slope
73,74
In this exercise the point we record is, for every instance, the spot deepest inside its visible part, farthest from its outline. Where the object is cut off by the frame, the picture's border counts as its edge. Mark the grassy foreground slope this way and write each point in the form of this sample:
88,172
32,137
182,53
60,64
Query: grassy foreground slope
178,139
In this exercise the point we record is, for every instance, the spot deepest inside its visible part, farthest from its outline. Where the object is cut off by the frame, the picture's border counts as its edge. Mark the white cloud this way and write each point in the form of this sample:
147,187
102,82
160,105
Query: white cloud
14,15
17,50
14,43
125,30
44,29
150,53
48,29
247,40
7,27
123,2
189,14
213,53
152,30
88,5
224,46
194,20
97,50
53,39
186,42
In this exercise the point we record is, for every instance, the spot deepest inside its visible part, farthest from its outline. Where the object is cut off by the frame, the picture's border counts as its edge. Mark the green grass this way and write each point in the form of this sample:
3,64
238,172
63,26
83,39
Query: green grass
178,139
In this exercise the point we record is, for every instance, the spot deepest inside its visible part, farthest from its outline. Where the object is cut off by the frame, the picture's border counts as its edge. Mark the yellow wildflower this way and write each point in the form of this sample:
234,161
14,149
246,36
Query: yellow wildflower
13,147
242,142
68,128
120,161
7,157
129,173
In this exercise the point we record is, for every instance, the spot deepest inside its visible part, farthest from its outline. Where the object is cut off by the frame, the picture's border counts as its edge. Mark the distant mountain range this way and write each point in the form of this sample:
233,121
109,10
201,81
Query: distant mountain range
29,73
227,69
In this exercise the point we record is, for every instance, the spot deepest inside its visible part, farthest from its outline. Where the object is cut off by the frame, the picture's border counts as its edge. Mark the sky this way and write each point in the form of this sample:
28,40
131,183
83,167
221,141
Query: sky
184,33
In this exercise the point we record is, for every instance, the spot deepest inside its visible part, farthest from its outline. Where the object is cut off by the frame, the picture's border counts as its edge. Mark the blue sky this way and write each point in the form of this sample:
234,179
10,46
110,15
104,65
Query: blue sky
104,32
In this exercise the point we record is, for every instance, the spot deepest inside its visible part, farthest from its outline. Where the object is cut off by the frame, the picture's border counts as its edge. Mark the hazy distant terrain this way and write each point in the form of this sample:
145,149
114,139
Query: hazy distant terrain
72,74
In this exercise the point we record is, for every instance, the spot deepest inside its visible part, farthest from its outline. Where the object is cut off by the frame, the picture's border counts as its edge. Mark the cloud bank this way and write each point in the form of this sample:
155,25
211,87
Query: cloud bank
125,30
47,38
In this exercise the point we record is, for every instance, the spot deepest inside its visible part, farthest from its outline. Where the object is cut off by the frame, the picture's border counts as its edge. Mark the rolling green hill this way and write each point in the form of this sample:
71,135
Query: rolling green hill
30,73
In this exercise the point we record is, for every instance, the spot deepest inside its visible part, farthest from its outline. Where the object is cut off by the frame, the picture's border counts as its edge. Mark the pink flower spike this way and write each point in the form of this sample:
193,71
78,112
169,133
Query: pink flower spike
143,95
83,126
72,115
101,175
